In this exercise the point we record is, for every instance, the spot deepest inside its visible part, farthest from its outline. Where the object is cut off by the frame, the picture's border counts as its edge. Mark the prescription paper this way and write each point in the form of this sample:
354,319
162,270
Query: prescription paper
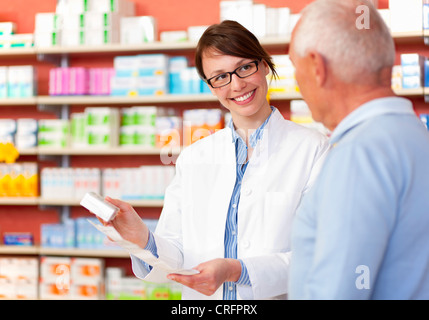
140,253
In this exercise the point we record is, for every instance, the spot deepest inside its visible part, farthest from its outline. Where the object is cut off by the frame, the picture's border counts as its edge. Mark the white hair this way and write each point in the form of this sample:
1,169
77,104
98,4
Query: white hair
332,28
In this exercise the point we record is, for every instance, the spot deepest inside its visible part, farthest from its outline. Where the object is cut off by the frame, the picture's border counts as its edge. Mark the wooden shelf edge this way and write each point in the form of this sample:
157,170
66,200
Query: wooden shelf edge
23,201
73,252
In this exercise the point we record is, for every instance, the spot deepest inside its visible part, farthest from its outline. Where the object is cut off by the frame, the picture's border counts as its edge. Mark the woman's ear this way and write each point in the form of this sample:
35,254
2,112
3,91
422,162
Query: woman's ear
266,66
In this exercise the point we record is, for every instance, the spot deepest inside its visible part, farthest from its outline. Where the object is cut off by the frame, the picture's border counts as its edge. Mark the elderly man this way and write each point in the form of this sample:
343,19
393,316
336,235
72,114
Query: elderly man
362,231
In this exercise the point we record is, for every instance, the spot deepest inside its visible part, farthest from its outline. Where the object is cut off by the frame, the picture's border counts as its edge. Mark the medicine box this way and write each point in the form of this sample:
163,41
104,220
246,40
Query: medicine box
123,7
21,81
53,133
406,16
3,82
137,30
97,205
7,28
18,278
413,72
102,127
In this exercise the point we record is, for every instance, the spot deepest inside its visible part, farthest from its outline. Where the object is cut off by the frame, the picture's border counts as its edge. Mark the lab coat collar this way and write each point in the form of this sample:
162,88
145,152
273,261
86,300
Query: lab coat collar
371,109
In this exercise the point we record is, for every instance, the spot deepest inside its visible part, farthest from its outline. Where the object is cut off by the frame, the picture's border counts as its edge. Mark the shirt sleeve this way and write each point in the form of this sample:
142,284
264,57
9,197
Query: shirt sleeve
244,277
151,246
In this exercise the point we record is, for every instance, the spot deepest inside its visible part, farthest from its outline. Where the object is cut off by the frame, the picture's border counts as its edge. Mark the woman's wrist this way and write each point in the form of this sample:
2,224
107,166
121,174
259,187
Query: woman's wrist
234,269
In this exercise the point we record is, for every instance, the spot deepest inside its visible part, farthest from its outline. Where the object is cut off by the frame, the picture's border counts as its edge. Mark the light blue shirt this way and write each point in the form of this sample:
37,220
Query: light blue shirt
362,231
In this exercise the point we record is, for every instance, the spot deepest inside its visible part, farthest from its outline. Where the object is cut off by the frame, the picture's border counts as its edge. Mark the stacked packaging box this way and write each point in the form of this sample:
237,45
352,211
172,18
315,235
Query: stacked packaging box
200,123
413,70
8,38
18,82
71,278
19,179
102,127
286,82
82,22
18,278
138,126
140,75
261,19
53,133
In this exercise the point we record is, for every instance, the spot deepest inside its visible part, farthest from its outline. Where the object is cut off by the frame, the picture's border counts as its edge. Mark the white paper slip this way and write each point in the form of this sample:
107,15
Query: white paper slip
140,253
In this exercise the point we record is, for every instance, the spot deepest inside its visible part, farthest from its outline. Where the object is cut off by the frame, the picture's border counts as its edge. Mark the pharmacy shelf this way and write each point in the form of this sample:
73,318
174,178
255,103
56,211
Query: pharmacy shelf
411,92
22,201
31,250
18,101
13,52
72,252
75,252
110,100
167,98
146,47
102,151
75,202
400,37
147,100
409,37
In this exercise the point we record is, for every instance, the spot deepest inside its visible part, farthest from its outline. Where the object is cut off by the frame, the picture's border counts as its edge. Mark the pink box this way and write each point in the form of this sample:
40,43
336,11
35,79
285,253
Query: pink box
78,81
99,80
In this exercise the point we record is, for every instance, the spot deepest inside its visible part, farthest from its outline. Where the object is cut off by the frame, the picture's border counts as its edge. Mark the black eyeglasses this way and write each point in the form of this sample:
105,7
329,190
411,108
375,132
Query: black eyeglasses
224,79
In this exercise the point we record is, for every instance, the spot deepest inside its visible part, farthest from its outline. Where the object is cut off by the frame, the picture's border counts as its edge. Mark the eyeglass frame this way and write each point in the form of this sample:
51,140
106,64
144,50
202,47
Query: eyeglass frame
256,62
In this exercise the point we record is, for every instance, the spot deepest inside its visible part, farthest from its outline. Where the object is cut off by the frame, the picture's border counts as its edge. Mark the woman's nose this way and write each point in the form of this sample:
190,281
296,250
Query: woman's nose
237,83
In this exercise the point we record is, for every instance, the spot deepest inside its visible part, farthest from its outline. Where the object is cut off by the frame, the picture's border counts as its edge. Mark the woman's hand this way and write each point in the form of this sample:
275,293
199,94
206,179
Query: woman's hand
212,275
128,223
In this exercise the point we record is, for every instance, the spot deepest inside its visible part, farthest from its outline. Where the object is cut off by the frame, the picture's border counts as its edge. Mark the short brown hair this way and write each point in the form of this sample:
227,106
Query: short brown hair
231,38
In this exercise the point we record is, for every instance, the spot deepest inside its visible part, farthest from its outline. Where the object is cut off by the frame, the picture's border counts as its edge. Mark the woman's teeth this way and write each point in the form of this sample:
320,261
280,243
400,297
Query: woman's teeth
244,97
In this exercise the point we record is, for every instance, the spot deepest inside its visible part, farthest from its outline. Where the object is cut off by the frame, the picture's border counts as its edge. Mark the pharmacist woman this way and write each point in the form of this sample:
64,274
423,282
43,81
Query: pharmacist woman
228,211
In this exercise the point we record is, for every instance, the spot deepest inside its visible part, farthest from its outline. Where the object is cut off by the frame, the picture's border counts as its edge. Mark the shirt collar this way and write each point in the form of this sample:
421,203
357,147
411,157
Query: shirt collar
255,136
373,108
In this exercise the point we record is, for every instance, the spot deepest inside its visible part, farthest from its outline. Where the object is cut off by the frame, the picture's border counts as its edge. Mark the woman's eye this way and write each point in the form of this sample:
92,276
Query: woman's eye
220,77
245,67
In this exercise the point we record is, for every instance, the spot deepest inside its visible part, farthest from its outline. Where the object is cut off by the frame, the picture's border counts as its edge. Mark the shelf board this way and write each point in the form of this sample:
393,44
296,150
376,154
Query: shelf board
104,151
19,201
118,48
18,101
98,100
76,252
411,92
17,52
168,98
5,249
22,201
76,202
73,252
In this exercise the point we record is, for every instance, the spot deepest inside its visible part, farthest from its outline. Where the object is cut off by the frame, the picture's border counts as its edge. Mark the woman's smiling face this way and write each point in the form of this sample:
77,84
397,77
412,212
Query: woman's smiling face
244,97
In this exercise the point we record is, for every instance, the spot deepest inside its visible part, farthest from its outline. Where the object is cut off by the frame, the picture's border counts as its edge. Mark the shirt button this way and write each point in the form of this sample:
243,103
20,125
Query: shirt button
230,288
234,205
233,232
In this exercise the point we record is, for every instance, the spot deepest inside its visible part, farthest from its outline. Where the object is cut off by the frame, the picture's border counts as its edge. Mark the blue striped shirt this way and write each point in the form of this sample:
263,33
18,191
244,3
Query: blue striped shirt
231,228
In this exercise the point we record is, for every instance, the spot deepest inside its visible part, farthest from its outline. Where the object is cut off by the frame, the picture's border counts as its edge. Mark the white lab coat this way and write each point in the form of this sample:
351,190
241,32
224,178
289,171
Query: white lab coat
191,228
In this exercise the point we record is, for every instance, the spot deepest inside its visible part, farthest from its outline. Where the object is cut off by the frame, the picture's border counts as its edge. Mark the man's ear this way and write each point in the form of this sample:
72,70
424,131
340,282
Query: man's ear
318,67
